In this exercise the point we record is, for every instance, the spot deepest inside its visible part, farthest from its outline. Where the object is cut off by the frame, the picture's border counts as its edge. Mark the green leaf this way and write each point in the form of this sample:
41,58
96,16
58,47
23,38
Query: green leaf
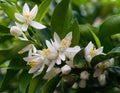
24,81
42,10
85,34
61,18
79,60
110,26
50,86
95,38
10,9
75,33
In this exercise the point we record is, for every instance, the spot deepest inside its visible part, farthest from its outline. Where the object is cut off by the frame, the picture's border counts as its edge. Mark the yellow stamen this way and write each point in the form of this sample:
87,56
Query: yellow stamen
28,16
33,63
65,42
93,52
46,52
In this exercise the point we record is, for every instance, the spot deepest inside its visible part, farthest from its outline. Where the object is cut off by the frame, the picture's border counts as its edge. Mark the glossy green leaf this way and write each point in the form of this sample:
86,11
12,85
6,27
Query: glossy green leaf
61,18
85,34
24,81
110,26
97,41
79,60
75,33
9,9
43,8
50,86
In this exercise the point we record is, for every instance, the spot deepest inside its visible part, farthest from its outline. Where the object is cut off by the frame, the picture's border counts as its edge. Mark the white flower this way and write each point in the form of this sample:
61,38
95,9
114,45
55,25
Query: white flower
75,85
100,67
66,69
91,51
27,17
63,47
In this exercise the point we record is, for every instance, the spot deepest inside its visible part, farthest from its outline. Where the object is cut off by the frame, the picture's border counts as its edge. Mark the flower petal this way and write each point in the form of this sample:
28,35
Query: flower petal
49,45
99,50
34,11
26,9
69,36
74,49
58,61
51,66
82,84
88,48
62,56
37,25
19,17
24,27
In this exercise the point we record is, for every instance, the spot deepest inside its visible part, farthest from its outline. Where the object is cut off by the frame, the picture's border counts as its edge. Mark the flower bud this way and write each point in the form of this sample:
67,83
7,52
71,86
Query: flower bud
102,79
84,75
15,31
66,69
75,85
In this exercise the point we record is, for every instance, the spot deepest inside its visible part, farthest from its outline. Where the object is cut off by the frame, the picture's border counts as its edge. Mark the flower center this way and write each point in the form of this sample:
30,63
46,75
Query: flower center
28,16
65,42
33,63
46,52
93,52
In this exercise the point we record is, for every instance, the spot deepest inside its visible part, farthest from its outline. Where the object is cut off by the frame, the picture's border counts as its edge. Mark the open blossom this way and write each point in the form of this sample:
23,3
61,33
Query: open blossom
27,17
63,47
91,51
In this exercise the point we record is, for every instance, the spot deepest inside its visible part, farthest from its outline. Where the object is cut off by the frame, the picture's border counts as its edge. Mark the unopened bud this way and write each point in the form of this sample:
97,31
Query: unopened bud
66,69
15,31
102,79
84,75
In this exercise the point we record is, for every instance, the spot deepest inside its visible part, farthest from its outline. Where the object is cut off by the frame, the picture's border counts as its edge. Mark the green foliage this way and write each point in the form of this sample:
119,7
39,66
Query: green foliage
61,18
43,9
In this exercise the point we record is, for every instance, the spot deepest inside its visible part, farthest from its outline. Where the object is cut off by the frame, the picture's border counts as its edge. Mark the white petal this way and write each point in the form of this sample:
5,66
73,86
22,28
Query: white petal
51,66
35,68
99,50
37,25
19,17
24,27
69,36
74,49
26,9
27,48
58,61
57,38
49,45
89,47
62,56
34,11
